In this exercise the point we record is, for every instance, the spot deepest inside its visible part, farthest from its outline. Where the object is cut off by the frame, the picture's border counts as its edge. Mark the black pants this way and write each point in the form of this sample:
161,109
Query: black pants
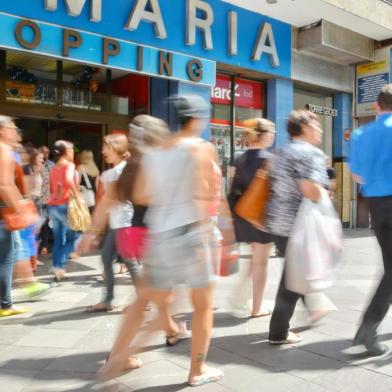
285,303
45,229
109,254
381,214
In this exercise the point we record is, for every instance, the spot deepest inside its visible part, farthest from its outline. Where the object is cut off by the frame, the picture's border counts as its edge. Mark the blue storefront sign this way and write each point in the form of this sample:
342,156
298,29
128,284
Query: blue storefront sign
55,41
200,29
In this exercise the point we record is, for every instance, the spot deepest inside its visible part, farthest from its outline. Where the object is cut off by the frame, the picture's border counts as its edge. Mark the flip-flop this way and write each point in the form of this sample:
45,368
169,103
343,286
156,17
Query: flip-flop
133,363
114,368
98,308
209,376
174,339
261,314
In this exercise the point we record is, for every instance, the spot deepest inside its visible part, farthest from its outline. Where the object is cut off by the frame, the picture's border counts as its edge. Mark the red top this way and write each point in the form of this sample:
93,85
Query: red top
61,178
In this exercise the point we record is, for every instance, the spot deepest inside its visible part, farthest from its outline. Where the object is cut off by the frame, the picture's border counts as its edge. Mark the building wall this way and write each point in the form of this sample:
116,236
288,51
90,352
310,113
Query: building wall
372,10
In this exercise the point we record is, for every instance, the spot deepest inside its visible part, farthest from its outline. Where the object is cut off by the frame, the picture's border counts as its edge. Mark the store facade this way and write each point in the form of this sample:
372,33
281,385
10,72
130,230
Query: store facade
82,68
78,69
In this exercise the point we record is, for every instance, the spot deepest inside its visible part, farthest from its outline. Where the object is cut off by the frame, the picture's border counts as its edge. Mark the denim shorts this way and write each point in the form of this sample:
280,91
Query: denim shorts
181,256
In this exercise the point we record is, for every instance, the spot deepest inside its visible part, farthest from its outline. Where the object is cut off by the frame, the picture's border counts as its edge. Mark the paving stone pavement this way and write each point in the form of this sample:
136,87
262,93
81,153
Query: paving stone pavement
59,347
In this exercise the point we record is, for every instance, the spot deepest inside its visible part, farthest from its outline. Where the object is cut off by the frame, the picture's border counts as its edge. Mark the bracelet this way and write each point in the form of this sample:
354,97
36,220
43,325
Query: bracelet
95,231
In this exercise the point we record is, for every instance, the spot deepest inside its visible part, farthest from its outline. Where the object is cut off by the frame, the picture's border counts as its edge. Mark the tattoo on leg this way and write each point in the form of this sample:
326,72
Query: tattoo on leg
200,357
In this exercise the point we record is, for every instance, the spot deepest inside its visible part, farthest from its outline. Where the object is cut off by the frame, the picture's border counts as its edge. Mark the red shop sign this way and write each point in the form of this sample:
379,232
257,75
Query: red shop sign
247,94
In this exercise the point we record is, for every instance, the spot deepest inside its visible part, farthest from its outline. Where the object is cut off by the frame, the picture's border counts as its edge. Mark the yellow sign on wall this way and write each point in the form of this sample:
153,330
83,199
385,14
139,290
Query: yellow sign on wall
370,68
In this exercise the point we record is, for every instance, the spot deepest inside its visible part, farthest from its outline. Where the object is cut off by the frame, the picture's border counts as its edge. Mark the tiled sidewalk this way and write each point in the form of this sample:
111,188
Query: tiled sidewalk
59,347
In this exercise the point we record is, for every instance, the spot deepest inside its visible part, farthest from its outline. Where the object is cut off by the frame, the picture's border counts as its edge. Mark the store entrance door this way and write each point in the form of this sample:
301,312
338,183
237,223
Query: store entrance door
84,136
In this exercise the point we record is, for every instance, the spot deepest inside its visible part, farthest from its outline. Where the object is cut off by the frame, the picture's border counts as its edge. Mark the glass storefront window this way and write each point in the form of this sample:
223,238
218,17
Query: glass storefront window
248,102
30,79
33,79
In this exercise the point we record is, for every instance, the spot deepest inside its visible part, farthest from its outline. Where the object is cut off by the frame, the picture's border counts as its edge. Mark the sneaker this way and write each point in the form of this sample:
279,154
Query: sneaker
292,338
12,311
35,289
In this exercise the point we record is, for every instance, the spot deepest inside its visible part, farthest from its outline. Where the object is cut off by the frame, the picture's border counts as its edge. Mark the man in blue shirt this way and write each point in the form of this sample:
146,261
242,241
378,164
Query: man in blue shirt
371,165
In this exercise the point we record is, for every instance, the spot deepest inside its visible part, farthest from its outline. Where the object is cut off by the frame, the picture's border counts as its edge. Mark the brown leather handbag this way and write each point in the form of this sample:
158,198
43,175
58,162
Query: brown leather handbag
25,215
253,203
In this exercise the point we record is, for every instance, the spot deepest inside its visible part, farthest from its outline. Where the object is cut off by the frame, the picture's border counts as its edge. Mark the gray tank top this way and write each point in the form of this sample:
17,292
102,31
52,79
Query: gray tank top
171,175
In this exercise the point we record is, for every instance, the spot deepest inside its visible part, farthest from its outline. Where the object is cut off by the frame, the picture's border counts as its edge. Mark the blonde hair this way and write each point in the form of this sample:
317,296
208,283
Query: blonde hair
87,160
144,132
119,143
147,131
256,127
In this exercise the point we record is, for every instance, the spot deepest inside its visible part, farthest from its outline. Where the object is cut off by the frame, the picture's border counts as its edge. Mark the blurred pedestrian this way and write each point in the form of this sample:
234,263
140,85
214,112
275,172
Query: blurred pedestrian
111,215
298,171
175,182
260,135
63,184
88,177
10,195
371,165
34,181
46,231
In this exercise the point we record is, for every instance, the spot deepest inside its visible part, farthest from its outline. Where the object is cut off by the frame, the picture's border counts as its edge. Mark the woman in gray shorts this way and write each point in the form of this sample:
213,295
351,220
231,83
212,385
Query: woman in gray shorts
175,181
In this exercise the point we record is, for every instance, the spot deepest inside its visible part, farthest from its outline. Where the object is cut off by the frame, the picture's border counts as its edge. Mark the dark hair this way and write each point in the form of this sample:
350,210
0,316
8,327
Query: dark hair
60,149
297,119
184,120
33,154
385,98
126,182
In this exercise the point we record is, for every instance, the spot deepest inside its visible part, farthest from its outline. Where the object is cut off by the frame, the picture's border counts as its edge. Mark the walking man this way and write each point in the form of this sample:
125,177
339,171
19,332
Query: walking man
371,165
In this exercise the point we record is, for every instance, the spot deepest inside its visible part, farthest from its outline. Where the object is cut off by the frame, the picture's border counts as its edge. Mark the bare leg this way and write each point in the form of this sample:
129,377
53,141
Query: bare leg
259,275
121,355
202,300
23,272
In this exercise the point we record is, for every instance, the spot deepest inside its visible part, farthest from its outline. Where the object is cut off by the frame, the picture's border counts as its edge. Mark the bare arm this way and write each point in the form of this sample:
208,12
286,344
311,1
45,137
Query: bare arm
310,190
9,192
100,217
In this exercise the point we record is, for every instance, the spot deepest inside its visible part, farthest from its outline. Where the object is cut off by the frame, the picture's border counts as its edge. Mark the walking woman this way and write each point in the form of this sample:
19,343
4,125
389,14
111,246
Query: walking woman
260,135
175,181
89,177
10,195
111,215
298,171
63,184
34,181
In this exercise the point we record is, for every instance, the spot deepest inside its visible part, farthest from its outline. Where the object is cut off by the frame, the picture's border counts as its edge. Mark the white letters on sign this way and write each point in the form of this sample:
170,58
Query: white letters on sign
266,43
140,13
204,24
75,7
199,17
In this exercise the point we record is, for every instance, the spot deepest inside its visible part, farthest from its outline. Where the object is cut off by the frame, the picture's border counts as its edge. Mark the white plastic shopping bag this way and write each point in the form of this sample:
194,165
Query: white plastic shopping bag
314,247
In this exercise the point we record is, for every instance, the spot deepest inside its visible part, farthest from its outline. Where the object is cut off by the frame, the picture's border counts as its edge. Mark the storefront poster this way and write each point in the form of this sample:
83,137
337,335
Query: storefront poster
371,77
256,42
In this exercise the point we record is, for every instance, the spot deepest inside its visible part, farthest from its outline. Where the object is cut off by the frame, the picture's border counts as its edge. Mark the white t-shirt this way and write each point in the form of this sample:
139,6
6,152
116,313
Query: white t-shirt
120,215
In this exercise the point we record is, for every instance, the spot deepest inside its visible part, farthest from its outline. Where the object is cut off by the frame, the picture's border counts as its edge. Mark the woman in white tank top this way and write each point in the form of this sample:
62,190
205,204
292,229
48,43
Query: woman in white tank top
176,181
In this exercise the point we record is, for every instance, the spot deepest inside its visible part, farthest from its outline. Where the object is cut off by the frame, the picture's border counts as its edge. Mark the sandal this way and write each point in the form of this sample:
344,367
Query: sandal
101,307
113,368
209,375
261,313
131,364
176,338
